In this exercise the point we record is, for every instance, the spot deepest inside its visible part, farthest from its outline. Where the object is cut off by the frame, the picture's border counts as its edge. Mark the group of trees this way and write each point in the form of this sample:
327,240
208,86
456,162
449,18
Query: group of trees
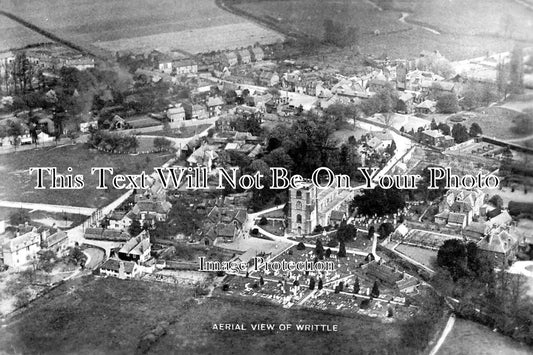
339,34
302,147
447,103
379,201
460,134
113,142
496,298
384,101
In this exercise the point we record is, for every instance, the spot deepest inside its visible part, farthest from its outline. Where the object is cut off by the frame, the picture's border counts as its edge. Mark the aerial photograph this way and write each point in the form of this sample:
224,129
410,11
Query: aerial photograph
271,177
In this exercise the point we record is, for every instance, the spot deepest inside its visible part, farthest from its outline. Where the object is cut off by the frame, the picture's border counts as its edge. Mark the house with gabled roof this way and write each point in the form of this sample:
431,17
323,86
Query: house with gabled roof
244,55
21,249
119,268
136,249
214,105
56,242
152,208
258,54
499,245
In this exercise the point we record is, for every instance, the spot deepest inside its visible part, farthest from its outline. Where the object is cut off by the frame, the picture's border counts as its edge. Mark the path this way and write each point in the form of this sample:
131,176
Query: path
50,208
403,19
447,330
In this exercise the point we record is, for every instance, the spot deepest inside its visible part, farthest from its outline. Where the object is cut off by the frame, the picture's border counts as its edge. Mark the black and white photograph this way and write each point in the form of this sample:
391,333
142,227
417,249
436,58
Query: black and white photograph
269,177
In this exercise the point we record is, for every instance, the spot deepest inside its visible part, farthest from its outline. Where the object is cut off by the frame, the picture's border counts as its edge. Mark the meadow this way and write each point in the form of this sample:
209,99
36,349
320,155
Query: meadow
458,29
18,185
194,26
110,316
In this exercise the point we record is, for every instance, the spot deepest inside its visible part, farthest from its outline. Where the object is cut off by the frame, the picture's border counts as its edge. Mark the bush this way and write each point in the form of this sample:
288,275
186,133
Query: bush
300,246
225,287
263,221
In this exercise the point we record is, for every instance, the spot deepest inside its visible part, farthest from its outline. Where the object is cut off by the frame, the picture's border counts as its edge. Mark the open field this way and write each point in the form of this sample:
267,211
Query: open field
61,220
107,315
194,26
18,185
457,30
494,122
471,338
14,35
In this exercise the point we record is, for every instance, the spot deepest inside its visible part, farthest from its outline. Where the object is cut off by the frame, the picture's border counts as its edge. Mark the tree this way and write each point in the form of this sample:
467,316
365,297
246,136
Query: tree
452,255
433,125
261,281
19,217
135,228
319,249
379,201
356,286
346,232
447,103
342,250
371,232
516,71
76,256
444,128
390,312
263,221
459,133
312,283
320,284
385,229
375,290
46,259
328,252
475,130
300,246
502,80
496,201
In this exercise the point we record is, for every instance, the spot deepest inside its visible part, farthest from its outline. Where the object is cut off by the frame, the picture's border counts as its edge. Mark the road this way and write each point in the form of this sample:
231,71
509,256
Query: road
447,330
50,208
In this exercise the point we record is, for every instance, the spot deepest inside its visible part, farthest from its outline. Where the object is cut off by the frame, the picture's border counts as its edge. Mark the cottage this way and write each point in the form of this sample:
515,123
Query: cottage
258,54
426,107
185,66
136,249
56,242
214,105
269,78
176,113
199,112
500,246
230,59
23,248
152,208
245,57
120,269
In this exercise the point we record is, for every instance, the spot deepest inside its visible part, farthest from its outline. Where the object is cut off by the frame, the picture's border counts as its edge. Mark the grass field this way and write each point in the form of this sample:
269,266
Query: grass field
467,29
16,36
194,26
109,316
18,185
471,338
